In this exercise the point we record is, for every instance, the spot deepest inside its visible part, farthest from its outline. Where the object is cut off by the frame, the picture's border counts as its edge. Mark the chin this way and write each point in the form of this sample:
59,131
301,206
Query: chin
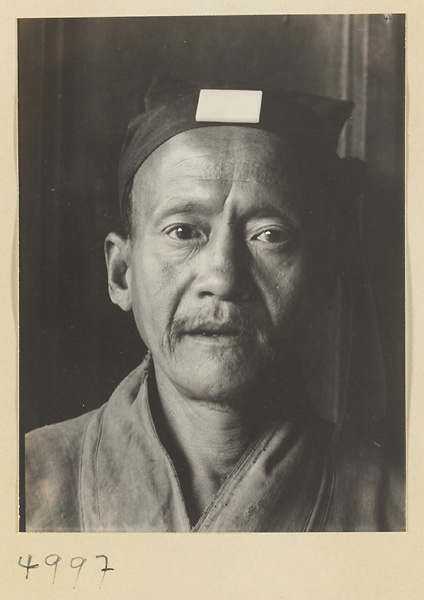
218,381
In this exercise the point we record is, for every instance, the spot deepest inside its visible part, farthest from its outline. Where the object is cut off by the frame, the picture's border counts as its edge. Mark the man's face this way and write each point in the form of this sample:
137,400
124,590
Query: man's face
218,258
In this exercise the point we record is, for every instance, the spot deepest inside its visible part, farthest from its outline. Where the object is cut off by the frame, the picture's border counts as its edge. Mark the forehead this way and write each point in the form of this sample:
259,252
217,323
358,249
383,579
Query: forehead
221,153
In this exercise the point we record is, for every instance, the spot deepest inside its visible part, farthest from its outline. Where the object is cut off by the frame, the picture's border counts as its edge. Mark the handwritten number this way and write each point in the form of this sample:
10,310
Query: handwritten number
105,568
53,564
28,566
77,562
77,566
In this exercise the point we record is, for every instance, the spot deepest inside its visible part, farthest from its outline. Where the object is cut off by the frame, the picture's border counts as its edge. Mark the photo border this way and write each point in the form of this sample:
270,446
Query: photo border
158,566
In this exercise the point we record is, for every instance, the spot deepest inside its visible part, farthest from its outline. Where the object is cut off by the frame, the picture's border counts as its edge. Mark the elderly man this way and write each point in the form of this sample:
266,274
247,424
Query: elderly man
231,200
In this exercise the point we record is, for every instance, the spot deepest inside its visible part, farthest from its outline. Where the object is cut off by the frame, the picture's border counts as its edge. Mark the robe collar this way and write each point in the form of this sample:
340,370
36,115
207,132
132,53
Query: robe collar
283,482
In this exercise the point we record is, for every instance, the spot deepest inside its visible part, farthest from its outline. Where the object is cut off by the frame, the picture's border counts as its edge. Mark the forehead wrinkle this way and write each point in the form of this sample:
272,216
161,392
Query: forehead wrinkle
234,170
289,191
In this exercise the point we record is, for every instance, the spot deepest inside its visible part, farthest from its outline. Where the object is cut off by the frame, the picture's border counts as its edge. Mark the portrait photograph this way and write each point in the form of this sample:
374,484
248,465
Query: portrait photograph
211,234
211,274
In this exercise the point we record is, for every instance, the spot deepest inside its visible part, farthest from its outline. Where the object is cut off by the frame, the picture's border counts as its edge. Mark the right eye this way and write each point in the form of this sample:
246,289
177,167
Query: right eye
184,232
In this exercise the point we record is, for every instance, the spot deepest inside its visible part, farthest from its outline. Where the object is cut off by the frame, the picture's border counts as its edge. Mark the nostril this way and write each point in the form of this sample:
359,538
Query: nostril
224,290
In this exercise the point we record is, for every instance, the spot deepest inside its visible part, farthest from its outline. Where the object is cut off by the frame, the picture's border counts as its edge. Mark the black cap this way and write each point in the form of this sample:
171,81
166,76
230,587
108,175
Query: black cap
311,124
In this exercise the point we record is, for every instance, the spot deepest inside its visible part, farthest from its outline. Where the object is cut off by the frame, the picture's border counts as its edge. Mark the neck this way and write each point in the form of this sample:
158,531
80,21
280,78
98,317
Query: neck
204,440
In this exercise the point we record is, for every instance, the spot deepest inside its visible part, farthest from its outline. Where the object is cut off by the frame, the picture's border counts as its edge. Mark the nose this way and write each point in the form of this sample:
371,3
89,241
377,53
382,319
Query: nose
223,269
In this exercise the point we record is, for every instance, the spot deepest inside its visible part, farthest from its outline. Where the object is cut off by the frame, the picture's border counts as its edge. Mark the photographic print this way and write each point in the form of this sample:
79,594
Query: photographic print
211,267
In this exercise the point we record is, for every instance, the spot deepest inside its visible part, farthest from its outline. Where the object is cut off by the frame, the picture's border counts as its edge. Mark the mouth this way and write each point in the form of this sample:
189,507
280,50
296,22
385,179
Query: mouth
213,334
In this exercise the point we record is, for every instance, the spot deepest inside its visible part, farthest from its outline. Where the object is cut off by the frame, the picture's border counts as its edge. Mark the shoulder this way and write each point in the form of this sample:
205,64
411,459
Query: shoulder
52,467
369,485
56,456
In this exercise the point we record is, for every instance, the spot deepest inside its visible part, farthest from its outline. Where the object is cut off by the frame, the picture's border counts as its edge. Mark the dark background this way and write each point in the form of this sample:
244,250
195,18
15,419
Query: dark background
81,80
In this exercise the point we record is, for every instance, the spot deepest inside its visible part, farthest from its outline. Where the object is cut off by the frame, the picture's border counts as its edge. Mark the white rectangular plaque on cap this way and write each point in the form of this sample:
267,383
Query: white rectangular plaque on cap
229,106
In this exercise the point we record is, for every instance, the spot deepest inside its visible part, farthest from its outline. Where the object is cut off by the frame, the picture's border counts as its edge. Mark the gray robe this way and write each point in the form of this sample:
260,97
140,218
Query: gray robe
108,471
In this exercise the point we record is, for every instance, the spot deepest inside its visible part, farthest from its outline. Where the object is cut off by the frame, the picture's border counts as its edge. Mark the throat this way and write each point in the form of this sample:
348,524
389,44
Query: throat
205,444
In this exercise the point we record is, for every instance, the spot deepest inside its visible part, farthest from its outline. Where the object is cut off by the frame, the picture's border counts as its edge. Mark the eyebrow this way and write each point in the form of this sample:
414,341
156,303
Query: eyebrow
181,206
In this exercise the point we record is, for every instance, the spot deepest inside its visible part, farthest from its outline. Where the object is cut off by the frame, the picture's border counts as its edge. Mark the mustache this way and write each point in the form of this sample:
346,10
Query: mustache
219,321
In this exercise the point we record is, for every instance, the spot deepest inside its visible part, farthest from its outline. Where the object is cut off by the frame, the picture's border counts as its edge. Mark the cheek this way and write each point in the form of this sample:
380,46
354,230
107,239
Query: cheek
155,292
283,286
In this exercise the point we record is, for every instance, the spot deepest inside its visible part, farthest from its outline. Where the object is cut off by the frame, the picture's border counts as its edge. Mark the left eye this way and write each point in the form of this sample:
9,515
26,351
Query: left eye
272,236
184,232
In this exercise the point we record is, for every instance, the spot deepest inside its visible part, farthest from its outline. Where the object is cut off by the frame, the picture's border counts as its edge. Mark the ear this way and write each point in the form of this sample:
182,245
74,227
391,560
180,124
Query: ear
117,254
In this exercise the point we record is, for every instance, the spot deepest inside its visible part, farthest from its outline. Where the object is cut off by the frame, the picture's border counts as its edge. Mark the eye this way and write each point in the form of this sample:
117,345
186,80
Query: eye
273,236
183,232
